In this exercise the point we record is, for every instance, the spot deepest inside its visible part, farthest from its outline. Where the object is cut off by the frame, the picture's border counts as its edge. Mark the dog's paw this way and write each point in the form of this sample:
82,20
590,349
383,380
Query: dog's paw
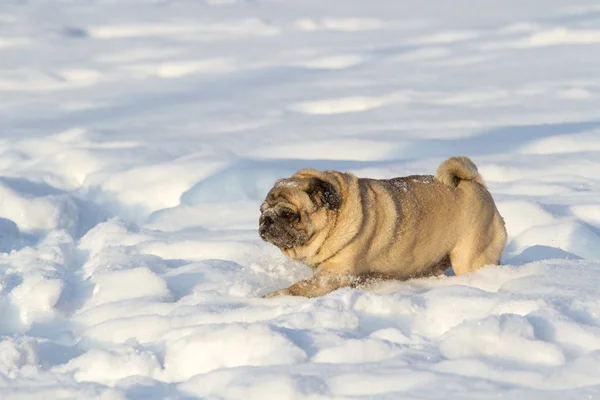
277,293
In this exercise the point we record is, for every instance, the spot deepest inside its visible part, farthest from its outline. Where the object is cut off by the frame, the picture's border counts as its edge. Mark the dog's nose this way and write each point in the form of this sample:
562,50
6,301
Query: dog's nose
267,221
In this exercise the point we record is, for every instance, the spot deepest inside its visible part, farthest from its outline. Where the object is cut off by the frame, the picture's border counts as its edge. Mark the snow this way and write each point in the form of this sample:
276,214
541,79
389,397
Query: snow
139,138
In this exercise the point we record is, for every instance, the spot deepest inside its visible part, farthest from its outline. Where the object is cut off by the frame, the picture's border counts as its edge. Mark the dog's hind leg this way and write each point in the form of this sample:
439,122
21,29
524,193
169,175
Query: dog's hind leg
480,248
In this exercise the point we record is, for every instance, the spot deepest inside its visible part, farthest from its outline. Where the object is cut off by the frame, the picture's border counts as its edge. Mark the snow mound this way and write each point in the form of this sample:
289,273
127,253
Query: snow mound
128,284
109,366
509,338
39,213
235,345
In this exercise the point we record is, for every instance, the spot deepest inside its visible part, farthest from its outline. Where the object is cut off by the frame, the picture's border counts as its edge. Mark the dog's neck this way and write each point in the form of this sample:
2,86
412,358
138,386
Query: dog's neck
326,244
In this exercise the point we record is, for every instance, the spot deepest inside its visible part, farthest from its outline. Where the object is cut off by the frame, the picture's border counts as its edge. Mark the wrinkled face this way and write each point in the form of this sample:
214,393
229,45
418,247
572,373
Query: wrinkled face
283,222
294,210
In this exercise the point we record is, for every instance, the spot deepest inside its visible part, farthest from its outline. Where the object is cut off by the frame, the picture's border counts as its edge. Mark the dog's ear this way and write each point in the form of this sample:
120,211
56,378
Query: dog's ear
324,193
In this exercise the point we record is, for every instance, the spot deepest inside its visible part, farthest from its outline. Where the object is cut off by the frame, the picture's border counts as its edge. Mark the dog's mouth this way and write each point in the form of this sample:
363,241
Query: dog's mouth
278,237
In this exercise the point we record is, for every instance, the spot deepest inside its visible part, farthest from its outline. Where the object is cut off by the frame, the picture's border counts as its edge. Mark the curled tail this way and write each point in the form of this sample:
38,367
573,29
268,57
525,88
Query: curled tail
456,169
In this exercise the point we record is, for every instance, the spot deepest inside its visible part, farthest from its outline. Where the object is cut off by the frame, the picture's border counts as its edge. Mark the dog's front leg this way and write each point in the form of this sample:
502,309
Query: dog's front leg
318,285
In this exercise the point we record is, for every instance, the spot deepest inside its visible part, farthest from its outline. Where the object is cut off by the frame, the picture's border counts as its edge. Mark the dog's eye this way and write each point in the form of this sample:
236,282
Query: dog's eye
287,215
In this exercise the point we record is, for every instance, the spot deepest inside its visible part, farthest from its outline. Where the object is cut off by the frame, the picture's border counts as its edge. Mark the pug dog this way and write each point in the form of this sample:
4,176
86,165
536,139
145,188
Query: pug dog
348,229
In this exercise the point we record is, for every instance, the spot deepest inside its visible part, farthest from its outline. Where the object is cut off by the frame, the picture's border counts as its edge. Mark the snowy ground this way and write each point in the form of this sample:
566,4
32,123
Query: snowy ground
137,139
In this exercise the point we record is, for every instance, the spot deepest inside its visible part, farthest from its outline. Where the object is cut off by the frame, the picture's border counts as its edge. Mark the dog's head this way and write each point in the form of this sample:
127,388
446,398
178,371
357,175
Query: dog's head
299,207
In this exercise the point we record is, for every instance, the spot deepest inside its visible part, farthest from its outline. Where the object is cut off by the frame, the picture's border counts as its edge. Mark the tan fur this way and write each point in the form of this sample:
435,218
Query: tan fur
455,169
398,228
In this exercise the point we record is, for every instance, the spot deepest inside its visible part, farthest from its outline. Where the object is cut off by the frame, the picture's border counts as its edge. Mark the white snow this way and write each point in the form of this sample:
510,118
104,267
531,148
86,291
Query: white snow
139,138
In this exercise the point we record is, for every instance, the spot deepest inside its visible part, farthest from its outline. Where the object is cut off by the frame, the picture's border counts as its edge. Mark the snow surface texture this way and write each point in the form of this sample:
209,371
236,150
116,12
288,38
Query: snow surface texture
138,138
